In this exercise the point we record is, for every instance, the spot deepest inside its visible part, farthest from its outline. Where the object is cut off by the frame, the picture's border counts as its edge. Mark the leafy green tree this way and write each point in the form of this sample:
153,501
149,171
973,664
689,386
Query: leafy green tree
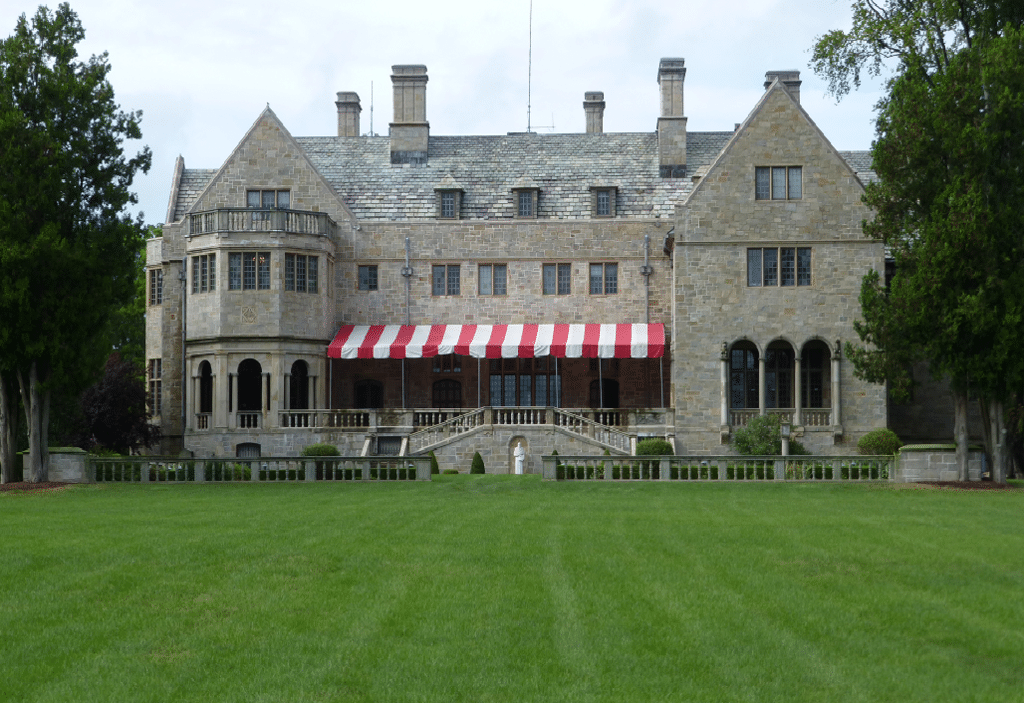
114,414
762,436
949,200
477,465
68,250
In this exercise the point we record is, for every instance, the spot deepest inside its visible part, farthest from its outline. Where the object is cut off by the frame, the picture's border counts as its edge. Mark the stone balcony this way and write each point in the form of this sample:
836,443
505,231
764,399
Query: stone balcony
262,220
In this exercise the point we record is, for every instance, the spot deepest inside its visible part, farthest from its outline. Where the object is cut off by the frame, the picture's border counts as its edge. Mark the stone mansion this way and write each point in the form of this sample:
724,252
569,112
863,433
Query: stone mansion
573,292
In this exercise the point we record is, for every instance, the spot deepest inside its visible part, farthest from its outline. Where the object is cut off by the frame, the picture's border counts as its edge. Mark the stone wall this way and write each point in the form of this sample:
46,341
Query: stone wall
936,462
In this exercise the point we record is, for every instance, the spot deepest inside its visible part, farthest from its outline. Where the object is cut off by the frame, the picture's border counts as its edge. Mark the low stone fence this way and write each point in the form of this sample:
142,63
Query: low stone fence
719,468
264,469
937,462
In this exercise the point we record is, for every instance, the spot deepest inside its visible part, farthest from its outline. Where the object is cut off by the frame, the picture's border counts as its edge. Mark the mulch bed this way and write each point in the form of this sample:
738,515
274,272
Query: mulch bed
26,486
969,486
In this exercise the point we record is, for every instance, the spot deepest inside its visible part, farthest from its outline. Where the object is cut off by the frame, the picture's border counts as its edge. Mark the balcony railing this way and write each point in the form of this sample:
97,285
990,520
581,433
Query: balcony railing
258,220
809,417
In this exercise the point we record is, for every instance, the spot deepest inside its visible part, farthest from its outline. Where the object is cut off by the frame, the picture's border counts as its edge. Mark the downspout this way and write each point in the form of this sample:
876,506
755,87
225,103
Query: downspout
646,272
407,273
183,279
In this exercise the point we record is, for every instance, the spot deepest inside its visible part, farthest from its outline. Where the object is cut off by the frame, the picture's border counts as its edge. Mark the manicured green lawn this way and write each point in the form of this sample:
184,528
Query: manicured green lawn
484,588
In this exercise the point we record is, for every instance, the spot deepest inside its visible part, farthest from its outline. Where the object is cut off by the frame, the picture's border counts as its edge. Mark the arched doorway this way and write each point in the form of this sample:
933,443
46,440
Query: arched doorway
205,388
743,380
298,387
250,386
778,375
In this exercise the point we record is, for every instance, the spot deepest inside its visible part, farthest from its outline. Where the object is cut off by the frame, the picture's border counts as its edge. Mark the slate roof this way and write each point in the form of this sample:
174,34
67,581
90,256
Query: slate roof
860,161
563,166
192,182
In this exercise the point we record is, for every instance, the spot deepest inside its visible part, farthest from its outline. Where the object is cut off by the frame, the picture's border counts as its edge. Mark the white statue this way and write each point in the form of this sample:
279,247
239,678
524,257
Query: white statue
520,454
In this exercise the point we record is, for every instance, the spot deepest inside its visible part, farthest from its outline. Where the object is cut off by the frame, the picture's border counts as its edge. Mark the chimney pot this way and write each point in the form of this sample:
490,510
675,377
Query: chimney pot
348,114
410,131
790,81
672,122
593,106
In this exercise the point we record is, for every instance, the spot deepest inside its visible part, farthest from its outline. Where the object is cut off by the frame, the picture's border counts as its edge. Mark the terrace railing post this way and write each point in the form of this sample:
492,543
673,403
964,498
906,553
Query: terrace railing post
144,472
200,471
780,470
664,469
309,467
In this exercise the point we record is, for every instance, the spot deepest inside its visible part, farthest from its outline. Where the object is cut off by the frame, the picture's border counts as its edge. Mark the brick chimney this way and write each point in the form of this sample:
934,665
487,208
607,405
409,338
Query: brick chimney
672,123
348,114
790,81
593,106
410,130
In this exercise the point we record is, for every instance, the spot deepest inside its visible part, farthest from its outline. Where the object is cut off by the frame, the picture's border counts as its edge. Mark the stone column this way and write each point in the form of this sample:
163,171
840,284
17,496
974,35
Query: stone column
725,386
232,401
761,384
836,420
798,387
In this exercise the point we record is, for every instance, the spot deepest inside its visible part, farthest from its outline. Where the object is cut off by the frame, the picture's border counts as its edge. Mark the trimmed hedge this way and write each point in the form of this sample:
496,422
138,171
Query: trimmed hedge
320,450
477,466
879,443
434,468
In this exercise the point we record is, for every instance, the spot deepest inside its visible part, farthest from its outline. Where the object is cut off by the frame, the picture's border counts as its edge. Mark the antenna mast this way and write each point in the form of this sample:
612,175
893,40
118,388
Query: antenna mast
371,109
529,70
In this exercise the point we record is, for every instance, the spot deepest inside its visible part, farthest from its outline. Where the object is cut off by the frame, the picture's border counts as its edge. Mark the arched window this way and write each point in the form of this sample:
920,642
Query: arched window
298,390
816,375
447,393
743,382
250,386
778,376
604,393
205,388
369,394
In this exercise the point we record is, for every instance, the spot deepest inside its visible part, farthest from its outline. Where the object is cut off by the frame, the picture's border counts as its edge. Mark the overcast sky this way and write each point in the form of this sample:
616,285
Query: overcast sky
203,70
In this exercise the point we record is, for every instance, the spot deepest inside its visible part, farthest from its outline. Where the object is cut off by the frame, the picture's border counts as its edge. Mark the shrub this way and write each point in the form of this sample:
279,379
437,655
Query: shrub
477,466
434,468
450,471
320,450
879,442
653,446
763,437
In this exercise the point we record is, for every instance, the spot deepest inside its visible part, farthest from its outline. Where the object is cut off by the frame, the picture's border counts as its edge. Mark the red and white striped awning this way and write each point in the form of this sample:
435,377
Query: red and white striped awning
636,341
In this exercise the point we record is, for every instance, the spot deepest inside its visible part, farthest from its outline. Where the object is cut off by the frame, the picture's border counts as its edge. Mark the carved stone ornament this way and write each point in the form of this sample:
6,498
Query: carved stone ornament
249,314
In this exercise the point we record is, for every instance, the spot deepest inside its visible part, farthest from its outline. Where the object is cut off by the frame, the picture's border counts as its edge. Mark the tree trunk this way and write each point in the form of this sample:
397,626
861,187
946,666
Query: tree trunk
37,413
960,430
999,449
7,453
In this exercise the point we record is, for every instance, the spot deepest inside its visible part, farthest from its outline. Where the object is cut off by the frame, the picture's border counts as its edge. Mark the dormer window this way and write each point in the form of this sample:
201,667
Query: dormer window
602,201
526,203
449,198
448,204
778,183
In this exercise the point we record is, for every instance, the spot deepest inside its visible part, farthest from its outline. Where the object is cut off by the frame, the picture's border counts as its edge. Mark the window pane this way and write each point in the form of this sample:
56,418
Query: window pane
762,189
778,183
454,280
603,203
268,198
284,198
509,390
611,278
447,204
312,274
496,390
596,278
788,266
289,271
249,272
500,279
753,267
195,274
525,396
803,266
300,274
213,271
525,204
564,277
252,198
438,280
540,384
771,267
548,279
264,270
795,182
204,280
234,271
485,280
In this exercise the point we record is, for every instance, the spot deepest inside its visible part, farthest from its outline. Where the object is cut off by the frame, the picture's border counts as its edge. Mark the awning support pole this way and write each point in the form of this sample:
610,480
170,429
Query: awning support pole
661,366
600,383
403,384
478,383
